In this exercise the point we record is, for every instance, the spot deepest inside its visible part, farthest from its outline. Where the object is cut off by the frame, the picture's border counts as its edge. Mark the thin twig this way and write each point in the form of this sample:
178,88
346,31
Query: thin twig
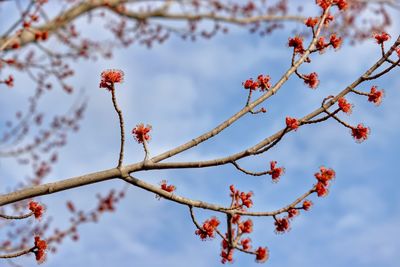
17,254
17,217
121,126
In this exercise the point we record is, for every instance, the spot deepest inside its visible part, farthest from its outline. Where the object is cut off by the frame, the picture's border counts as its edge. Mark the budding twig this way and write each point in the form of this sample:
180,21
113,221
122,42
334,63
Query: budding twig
17,254
18,217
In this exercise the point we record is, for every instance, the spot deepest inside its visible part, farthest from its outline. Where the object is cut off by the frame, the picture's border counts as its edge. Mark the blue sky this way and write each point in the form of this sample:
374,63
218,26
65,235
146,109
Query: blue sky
185,88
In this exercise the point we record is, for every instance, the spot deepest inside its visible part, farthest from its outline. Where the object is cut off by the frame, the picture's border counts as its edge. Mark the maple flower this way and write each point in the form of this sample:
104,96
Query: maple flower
311,22
246,227
262,254
321,189
311,80
235,219
324,4
360,133
208,228
341,4
169,188
250,84
282,225
141,133
325,175
375,96
40,249
36,209
246,243
292,212
329,18
246,199
297,44
335,41
292,123
344,105
320,45
275,172
227,256
264,82
109,77
381,38
9,81
307,204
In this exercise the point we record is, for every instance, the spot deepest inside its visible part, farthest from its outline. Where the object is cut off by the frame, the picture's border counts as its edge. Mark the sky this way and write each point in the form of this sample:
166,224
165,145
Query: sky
185,88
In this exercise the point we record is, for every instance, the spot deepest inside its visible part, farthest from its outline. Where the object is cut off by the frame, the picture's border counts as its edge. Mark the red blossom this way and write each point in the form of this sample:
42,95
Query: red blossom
9,81
311,22
227,256
40,249
141,133
241,199
297,44
398,51
324,4
329,18
169,188
246,199
321,190
262,254
235,218
344,105
250,84
109,77
341,4
381,38
264,82
292,123
282,225
375,96
311,80
325,175
246,243
292,212
307,204
321,45
360,133
41,35
36,209
275,172
335,41
246,227
208,229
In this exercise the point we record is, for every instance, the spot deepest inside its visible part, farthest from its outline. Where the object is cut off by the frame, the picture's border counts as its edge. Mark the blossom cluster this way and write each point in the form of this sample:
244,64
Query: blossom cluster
168,188
262,83
141,133
40,249
208,229
36,209
292,123
241,199
110,77
324,176
360,133
275,172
